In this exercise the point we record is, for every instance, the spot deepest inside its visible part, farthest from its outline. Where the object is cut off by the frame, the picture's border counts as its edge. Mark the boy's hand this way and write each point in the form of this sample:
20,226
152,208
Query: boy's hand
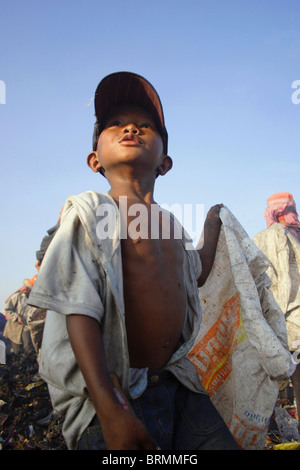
213,215
209,242
124,431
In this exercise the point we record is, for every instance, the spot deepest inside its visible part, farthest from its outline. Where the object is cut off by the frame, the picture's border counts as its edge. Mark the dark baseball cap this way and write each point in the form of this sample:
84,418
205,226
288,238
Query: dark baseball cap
127,88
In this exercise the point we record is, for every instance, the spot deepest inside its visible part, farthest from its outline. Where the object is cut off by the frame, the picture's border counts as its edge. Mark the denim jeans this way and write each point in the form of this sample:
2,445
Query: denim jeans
176,418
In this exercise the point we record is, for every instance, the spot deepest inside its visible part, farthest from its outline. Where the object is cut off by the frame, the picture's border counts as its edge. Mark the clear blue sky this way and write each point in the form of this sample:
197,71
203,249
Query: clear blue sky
224,71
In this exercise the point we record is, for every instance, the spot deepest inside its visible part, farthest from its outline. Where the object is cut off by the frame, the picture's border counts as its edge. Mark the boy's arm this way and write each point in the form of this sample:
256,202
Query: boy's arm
211,233
121,429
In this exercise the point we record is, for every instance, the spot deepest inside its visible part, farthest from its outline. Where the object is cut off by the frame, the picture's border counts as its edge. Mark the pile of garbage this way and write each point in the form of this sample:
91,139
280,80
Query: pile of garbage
284,424
27,421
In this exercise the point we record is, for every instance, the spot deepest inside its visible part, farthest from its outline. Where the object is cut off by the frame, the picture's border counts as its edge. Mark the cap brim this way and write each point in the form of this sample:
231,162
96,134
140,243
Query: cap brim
127,88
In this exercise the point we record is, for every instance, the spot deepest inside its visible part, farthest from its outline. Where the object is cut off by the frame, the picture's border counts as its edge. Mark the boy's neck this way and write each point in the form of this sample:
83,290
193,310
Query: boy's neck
134,190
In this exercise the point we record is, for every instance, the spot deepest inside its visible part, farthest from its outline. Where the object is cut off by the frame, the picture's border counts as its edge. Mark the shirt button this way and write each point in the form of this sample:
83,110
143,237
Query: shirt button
154,378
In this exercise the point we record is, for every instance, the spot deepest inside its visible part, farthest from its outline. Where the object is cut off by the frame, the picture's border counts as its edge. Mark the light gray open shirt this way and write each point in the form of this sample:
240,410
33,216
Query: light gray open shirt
82,274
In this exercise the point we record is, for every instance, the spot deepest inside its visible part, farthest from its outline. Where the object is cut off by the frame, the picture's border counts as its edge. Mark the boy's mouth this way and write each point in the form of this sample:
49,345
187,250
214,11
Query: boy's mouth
130,139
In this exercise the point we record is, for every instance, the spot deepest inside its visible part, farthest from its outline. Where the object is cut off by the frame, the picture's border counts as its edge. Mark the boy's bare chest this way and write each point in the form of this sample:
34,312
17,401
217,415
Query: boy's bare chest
155,299
151,255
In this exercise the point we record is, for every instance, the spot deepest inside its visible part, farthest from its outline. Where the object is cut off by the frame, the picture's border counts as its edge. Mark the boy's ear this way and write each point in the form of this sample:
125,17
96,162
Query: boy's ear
93,162
165,165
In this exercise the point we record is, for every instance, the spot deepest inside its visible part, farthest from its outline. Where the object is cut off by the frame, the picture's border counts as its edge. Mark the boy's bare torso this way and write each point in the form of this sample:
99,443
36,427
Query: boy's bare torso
155,296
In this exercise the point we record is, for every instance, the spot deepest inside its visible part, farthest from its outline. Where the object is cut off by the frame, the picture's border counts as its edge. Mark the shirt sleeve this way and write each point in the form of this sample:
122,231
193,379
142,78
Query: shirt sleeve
196,262
193,254
70,281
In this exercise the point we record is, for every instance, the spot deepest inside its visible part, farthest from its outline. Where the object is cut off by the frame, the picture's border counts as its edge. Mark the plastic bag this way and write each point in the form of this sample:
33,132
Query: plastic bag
287,426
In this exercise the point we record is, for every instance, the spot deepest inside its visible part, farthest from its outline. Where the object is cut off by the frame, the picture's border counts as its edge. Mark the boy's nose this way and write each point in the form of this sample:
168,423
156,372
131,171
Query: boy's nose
131,128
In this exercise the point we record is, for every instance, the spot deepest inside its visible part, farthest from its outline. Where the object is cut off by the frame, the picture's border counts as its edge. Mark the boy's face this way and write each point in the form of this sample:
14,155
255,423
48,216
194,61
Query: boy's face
129,137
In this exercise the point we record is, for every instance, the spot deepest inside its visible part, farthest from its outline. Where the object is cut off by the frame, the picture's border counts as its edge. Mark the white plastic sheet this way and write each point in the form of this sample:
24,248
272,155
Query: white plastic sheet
2,352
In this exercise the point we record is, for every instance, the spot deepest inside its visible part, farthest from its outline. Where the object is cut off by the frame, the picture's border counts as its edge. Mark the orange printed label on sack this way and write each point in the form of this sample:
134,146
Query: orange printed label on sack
212,355
244,432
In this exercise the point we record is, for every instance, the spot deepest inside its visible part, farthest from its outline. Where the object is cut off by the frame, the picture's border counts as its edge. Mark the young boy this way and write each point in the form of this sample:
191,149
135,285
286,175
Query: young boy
125,301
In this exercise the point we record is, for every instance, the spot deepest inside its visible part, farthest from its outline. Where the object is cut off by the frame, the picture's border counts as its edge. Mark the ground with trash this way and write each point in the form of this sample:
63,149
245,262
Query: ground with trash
25,407
284,427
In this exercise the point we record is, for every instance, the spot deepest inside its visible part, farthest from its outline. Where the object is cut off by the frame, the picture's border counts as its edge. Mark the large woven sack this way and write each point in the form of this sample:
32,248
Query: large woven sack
241,349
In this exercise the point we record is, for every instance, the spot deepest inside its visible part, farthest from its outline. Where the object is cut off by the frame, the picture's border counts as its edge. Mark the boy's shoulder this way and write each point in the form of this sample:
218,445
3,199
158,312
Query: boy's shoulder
86,203
91,198
91,212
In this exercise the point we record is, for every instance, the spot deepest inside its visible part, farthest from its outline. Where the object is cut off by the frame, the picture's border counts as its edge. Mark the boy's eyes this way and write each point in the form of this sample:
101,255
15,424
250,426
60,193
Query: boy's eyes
114,123
144,125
